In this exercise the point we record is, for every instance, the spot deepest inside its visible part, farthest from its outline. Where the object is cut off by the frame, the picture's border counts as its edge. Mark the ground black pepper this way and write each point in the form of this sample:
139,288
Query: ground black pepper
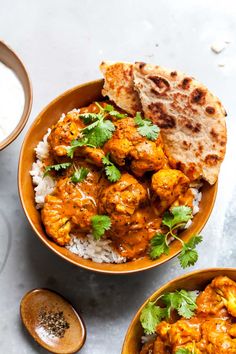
54,322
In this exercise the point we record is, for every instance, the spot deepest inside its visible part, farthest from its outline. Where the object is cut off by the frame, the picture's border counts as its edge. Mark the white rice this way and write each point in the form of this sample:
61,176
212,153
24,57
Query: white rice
44,185
100,251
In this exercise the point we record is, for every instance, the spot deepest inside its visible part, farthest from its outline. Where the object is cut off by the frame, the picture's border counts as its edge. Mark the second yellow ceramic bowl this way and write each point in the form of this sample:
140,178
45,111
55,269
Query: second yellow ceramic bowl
80,96
197,280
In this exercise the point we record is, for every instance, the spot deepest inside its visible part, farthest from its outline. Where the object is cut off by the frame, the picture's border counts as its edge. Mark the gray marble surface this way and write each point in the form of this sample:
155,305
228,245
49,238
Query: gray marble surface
62,43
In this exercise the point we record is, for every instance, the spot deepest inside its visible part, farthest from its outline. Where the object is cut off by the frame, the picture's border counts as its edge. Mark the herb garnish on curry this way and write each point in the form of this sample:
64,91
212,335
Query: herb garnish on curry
113,179
192,323
128,170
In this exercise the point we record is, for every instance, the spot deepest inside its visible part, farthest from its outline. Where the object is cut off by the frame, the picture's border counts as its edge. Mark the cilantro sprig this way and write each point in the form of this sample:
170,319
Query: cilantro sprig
112,172
184,302
185,351
57,167
100,224
146,127
112,112
79,175
98,130
150,316
75,144
175,219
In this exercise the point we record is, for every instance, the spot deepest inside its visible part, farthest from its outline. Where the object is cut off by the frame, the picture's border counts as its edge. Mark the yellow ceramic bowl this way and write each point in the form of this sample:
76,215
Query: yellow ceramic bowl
9,58
192,281
77,97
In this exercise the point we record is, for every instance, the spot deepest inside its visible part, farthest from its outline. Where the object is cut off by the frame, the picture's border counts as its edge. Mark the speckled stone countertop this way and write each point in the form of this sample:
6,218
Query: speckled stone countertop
62,44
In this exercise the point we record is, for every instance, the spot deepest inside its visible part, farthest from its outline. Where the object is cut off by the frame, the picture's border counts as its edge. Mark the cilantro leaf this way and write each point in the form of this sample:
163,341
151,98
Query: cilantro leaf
98,130
146,127
171,301
184,351
100,223
90,127
177,215
158,246
108,108
117,114
173,219
187,303
112,172
194,241
59,166
74,145
88,117
138,119
99,133
183,301
79,175
112,112
189,255
150,316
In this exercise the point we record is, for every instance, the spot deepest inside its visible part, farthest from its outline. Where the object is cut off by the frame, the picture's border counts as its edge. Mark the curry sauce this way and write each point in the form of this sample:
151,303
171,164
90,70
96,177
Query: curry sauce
212,329
135,203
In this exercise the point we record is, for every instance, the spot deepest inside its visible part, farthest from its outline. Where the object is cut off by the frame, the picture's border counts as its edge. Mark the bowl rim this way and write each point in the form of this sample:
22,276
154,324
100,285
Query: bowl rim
162,288
45,241
27,107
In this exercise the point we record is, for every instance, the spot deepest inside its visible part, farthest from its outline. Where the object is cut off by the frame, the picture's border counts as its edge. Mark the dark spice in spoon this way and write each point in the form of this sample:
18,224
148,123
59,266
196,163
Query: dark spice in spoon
54,322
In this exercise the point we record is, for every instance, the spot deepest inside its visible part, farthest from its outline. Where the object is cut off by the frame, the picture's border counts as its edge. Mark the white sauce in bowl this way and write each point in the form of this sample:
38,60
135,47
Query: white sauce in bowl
12,101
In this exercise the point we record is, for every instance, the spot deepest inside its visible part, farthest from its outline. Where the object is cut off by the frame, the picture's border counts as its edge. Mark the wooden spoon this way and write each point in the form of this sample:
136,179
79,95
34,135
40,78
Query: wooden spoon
38,302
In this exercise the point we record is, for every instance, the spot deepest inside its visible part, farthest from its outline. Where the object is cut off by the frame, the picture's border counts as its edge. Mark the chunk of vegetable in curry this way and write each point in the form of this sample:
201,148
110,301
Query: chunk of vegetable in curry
141,187
211,329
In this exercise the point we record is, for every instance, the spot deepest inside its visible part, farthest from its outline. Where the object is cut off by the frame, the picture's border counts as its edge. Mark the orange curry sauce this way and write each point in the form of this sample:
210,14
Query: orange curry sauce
135,203
211,330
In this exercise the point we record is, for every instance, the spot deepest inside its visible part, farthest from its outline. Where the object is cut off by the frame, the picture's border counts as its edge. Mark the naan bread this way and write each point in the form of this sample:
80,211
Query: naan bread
192,119
119,86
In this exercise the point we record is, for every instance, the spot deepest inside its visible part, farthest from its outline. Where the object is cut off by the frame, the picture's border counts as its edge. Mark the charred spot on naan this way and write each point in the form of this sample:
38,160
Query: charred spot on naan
160,117
212,159
210,110
162,84
186,145
174,74
186,82
141,65
218,138
198,96
193,127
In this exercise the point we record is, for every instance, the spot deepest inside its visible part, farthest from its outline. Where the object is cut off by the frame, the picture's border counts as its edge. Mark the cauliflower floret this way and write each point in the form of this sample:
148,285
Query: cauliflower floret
70,207
57,226
122,197
69,129
168,185
215,336
63,132
226,288
126,143
146,156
